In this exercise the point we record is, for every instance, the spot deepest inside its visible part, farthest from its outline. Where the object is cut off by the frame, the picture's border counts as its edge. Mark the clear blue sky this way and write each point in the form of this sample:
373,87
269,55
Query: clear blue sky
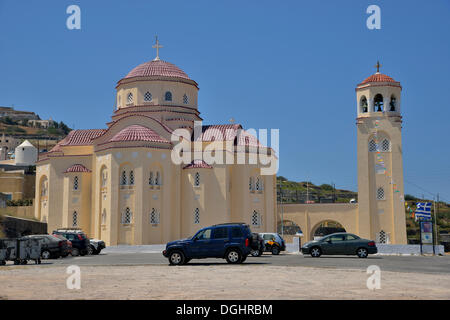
291,65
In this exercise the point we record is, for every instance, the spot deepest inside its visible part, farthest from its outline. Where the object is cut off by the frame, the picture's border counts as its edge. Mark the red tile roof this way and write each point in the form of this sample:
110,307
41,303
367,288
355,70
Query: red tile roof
138,133
378,77
157,68
197,164
81,137
77,168
227,132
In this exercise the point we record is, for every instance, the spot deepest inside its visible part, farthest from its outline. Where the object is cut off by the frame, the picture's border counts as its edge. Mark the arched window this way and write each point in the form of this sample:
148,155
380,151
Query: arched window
104,216
131,177
372,146
75,219
197,179
363,104
147,96
258,184
256,219
118,101
127,216
130,98
393,103
123,180
380,193
185,99
385,145
104,177
168,96
378,103
75,183
154,216
44,187
196,216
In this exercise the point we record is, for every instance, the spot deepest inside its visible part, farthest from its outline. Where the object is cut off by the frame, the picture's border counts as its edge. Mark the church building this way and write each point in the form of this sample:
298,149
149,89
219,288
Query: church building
121,183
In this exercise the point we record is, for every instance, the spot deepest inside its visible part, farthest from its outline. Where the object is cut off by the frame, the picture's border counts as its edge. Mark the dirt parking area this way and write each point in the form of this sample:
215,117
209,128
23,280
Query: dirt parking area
216,282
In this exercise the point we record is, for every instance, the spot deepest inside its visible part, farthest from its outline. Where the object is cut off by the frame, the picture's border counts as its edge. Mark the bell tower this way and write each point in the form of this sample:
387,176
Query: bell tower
381,213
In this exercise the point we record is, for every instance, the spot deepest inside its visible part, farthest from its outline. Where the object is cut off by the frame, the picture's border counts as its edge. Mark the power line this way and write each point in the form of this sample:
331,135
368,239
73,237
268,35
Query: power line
419,187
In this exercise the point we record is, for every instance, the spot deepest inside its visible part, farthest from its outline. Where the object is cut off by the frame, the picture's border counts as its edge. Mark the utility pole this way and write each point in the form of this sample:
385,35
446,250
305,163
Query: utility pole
435,220
281,204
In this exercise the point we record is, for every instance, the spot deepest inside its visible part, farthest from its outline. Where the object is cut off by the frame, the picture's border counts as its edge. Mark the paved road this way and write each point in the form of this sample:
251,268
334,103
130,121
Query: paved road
422,264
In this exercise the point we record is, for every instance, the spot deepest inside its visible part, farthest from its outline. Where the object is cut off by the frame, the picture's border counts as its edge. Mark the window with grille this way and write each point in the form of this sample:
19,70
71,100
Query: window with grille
185,99
258,184
385,145
197,179
383,237
130,98
154,216
127,216
196,216
256,219
131,178
372,146
75,183
168,96
157,179
104,178
123,181
250,184
147,96
75,219
150,179
380,193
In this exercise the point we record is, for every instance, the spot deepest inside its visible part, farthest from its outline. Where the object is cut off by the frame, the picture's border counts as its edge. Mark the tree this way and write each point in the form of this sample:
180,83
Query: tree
327,187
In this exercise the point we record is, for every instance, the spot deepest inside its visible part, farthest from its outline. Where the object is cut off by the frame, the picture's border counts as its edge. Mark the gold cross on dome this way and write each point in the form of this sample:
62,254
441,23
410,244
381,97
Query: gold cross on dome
378,65
157,46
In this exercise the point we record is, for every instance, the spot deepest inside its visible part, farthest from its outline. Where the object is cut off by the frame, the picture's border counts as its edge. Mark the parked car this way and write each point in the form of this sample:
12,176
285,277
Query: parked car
51,247
96,246
80,242
68,242
340,243
230,241
257,245
273,242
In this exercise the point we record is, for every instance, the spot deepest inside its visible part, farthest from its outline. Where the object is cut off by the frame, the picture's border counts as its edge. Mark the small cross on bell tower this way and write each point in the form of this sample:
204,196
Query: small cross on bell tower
378,66
157,46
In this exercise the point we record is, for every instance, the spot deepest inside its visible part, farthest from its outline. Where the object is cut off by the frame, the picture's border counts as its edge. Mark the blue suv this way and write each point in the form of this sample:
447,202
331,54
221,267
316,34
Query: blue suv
230,241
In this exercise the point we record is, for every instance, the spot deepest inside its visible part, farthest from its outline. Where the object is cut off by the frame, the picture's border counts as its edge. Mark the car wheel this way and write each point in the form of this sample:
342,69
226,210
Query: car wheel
2,263
176,258
276,251
16,262
90,250
315,252
24,262
255,253
362,253
75,252
97,251
46,254
233,256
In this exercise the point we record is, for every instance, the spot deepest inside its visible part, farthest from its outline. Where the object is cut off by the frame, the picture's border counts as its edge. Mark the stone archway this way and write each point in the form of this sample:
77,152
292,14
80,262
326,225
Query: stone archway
326,227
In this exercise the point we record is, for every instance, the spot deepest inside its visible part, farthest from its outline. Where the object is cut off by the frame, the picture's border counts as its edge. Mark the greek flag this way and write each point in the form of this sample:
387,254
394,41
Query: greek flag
423,211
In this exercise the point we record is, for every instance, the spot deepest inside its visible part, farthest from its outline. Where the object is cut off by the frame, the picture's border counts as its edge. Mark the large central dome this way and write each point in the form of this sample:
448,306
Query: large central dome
157,68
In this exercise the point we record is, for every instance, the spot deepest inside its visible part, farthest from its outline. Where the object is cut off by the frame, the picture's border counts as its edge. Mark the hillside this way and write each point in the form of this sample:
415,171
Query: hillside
21,129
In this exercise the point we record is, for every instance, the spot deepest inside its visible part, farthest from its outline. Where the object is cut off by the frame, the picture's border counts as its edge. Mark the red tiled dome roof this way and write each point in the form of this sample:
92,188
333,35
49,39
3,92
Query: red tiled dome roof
138,133
77,168
157,68
378,77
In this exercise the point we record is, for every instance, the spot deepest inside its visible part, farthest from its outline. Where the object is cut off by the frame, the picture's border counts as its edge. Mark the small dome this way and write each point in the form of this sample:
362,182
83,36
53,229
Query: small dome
157,68
138,133
378,77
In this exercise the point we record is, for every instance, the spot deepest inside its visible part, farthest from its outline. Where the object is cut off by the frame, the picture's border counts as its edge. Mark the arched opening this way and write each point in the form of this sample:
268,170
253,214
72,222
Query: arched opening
393,104
378,103
168,96
363,104
289,228
325,228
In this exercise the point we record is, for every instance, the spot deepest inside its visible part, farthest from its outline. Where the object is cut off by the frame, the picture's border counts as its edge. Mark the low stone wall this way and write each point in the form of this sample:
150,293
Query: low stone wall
26,212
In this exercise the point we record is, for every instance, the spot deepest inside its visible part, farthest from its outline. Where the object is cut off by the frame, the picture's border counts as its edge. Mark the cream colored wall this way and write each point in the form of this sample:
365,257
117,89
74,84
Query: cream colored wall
158,90
309,216
18,184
